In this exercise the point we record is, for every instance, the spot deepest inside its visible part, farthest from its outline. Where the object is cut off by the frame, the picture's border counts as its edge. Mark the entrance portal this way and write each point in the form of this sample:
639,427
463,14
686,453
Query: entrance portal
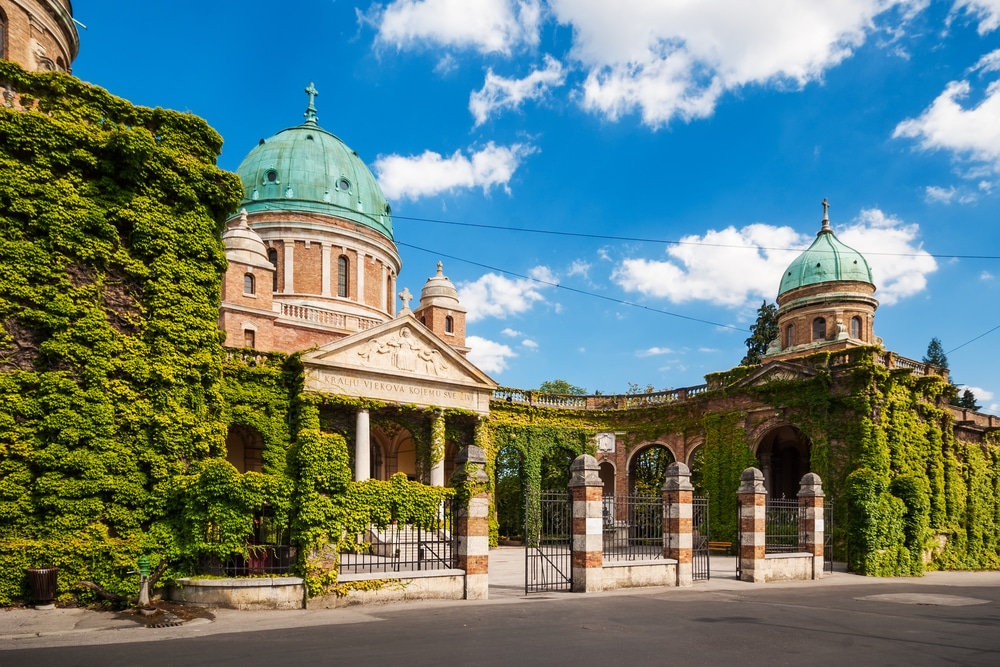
783,454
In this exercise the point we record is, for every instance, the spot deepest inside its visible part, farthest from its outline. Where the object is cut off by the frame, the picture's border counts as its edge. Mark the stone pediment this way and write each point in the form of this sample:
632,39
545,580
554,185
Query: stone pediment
400,361
778,371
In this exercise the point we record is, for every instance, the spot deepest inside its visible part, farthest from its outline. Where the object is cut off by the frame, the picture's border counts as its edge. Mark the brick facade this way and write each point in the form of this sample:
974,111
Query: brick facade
39,35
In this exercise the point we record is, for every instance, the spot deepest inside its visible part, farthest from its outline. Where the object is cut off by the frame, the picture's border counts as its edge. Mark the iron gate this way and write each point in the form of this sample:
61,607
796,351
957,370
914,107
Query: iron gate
828,537
700,569
548,542
739,540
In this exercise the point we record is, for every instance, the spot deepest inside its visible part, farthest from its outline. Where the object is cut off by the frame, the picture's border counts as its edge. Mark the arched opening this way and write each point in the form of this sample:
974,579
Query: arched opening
790,335
244,448
695,464
449,324
406,458
343,264
249,285
819,329
783,456
555,469
855,327
508,490
377,461
648,470
3,35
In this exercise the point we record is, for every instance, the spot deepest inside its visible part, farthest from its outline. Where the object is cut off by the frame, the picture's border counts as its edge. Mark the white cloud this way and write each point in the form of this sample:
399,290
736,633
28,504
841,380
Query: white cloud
988,63
489,355
579,268
986,275
899,264
981,394
731,267
654,351
936,194
707,350
446,65
499,93
971,133
674,59
986,11
511,333
494,295
431,174
530,344
738,267
488,26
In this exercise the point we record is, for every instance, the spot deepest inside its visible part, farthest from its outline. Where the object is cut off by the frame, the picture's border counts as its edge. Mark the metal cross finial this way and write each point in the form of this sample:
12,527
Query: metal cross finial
440,268
826,215
405,297
310,113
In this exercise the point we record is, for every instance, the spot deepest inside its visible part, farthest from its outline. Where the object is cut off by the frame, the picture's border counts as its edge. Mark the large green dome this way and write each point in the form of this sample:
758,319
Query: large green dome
826,260
306,168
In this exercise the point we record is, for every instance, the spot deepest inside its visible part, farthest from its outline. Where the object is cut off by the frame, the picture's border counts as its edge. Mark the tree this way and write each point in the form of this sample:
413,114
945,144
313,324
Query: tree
935,354
968,400
763,331
561,387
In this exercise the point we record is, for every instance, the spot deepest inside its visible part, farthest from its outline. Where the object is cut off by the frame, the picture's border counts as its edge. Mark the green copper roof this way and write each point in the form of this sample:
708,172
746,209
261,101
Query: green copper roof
306,168
826,260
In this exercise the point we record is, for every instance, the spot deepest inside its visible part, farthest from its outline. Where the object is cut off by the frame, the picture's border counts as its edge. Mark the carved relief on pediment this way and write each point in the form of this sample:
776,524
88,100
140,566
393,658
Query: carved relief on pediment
401,350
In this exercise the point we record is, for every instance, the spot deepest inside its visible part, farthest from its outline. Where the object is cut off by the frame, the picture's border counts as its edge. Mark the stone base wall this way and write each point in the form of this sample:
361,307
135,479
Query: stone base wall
374,588
243,594
788,567
632,574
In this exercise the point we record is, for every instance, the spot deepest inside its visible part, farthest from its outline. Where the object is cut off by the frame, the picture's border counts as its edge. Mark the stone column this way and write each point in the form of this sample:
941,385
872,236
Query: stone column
289,267
384,289
437,449
360,296
678,516
472,523
586,489
362,448
753,512
325,269
811,520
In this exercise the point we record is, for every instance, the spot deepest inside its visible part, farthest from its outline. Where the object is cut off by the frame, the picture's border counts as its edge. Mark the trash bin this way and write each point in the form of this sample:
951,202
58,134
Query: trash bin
42,581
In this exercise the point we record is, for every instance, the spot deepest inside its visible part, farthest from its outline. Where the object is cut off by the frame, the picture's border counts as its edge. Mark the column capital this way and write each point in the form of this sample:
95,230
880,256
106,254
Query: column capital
752,481
585,471
678,478
811,486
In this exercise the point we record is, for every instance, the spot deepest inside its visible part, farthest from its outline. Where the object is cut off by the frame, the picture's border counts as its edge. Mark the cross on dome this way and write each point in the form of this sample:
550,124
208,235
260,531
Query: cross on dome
826,216
405,297
310,113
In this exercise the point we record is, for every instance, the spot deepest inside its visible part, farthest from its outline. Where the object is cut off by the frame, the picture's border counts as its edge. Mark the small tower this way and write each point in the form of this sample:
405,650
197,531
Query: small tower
826,299
246,315
440,311
39,35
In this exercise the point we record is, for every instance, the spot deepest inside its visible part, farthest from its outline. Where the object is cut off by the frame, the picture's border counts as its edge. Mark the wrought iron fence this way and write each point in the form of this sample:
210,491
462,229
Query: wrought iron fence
268,550
700,537
548,541
429,545
633,527
781,526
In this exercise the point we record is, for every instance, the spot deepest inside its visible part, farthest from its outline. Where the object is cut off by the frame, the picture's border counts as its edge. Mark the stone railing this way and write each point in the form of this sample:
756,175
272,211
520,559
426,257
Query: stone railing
596,401
327,318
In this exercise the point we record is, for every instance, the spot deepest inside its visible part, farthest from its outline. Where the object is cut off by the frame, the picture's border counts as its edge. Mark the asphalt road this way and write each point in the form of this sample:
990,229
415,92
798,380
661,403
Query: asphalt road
925,625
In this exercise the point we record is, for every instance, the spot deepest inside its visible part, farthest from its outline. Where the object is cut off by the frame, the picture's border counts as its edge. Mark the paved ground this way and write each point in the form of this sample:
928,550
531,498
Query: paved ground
942,617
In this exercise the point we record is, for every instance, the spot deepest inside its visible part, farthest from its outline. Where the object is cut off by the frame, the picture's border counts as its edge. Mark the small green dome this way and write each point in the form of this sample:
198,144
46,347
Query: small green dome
826,260
306,168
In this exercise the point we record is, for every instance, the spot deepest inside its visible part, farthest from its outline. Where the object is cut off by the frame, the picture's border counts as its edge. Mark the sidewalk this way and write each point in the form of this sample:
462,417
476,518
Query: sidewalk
31,628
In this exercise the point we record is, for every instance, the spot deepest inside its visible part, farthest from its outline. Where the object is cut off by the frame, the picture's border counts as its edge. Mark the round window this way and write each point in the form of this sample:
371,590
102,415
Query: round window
271,175
344,185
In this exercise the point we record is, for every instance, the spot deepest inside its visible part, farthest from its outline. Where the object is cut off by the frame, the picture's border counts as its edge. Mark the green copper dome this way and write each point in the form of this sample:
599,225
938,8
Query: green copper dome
308,169
826,260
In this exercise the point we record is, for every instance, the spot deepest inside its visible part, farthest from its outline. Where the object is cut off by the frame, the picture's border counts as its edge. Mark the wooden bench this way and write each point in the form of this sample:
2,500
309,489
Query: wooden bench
720,546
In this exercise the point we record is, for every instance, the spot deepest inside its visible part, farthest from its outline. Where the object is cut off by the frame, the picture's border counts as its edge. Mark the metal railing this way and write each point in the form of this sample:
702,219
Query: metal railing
431,545
781,526
633,527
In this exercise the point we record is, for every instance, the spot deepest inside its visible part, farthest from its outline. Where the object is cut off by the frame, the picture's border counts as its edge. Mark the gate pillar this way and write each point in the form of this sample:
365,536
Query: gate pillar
753,514
811,526
472,523
678,498
586,490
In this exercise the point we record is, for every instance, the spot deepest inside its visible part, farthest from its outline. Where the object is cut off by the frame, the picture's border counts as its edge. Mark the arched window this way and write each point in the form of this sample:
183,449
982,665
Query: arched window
3,34
342,266
855,327
790,335
248,284
449,324
249,338
272,256
819,329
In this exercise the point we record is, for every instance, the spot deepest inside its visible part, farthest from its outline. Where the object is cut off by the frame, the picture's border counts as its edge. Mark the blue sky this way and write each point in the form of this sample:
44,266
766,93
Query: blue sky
577,142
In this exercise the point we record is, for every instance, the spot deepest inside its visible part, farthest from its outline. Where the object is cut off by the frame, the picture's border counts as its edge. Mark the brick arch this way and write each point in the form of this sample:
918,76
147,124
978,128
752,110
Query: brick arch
783,454
629,472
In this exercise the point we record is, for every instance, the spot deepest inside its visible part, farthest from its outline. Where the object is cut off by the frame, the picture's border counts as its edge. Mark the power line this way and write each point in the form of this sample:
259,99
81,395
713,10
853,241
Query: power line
571,289
638,239
973,340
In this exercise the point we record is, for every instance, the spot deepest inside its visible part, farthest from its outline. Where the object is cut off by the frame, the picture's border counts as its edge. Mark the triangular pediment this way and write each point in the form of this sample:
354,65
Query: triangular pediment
778,371
398,361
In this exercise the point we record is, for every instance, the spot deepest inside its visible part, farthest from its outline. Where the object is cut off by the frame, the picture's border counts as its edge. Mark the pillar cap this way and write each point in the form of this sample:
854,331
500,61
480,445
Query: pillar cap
585,471
678,478
811,486
471,454
752,481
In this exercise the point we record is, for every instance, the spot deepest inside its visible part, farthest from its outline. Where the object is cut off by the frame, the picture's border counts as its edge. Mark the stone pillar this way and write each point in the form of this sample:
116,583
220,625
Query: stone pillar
753,512
811,520
678,516
325,269
289,267
472,522
586,489
362,448
384,288
360,296
437,449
